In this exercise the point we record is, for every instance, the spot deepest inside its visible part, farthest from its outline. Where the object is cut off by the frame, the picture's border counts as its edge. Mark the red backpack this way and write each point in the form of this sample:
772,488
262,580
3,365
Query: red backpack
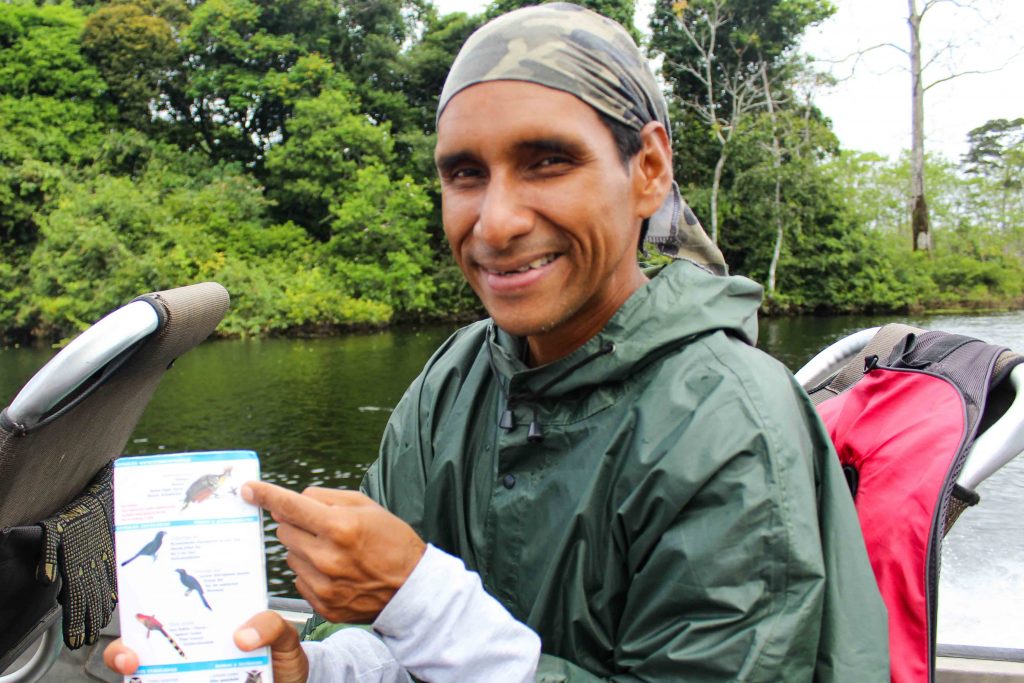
903,416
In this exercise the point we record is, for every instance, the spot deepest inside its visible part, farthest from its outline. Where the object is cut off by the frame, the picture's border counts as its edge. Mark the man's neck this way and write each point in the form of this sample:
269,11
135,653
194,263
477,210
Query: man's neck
548,347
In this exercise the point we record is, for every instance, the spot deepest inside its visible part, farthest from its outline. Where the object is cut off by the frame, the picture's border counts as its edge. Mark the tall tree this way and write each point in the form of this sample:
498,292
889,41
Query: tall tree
919,216
222,76
777,160
422,70
329,141
718,56
227,93
374,33
785,222
921,232
727,96
931,63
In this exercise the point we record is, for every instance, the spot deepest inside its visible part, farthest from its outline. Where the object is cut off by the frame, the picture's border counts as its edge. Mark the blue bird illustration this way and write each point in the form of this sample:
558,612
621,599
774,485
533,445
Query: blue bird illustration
150,548
191,583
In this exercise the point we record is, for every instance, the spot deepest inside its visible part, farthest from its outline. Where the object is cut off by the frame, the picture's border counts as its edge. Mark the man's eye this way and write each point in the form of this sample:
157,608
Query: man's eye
465,172
461,175
552,161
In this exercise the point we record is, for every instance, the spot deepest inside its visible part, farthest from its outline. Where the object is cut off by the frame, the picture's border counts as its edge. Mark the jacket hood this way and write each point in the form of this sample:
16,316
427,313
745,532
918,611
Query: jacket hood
681,301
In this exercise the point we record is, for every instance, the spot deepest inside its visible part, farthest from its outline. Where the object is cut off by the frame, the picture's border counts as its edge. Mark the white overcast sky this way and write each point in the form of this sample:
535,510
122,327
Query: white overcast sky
870,109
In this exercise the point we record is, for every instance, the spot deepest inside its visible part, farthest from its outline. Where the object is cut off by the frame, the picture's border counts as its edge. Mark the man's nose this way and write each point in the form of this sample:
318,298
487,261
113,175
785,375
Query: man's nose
504,215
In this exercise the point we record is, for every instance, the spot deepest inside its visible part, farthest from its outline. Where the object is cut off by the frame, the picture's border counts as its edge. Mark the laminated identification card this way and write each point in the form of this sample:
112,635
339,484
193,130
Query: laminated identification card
190,566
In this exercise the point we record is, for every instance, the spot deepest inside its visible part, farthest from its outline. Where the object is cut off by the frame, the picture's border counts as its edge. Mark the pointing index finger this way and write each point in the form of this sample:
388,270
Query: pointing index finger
286,506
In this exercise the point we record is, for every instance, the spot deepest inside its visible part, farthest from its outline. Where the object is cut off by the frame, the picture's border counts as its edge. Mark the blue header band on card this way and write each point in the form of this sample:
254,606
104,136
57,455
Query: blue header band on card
187,522
145,460
203,666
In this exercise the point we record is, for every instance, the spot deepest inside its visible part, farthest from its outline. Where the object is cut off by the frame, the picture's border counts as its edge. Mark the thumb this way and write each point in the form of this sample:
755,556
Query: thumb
119,658
288,657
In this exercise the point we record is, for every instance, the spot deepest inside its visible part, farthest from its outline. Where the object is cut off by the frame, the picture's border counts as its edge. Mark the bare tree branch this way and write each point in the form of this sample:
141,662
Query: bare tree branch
956,3
945,50
858,57
969,72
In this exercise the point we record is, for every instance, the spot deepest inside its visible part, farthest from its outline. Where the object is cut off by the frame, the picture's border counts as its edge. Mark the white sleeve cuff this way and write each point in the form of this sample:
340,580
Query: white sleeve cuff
352,655
442,626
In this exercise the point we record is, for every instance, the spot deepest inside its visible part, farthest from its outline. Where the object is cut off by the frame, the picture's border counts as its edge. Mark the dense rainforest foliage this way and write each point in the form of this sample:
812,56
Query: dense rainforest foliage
284,149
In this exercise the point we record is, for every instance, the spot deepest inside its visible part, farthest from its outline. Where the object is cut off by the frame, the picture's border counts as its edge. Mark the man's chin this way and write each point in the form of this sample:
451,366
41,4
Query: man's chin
538,313
523,326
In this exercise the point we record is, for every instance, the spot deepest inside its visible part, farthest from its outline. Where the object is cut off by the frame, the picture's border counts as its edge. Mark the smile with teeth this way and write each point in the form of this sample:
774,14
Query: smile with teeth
536,263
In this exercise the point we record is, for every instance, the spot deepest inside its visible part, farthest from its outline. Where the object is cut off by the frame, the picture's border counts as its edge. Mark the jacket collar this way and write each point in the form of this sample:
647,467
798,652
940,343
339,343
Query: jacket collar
680,302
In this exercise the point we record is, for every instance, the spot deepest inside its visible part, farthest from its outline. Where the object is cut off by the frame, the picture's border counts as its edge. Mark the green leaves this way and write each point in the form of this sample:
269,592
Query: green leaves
976,261
40,55
329,140
286,150
379,230
153,143
135,52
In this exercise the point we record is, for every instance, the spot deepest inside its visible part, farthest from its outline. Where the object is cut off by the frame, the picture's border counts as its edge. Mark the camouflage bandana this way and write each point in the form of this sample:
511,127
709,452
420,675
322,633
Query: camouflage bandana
569,48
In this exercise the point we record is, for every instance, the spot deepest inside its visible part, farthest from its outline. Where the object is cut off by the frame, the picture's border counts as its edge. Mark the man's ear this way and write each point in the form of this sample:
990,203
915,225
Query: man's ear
652,169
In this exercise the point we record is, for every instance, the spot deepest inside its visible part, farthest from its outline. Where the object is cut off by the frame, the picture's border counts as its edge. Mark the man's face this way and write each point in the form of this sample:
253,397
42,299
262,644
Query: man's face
540,211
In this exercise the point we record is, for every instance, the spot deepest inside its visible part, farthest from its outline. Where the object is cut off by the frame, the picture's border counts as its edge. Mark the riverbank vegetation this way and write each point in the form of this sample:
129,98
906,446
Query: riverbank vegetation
284,149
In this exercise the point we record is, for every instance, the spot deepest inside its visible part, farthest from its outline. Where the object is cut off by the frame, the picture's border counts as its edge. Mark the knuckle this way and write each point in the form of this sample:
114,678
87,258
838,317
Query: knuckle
328,564
343,530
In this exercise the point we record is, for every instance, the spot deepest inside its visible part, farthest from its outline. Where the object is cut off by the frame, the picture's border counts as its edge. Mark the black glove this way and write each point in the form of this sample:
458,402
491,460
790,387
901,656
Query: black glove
78,541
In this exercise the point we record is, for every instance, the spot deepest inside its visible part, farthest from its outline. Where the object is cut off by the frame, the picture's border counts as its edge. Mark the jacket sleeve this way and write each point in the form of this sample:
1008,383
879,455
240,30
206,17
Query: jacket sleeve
738,577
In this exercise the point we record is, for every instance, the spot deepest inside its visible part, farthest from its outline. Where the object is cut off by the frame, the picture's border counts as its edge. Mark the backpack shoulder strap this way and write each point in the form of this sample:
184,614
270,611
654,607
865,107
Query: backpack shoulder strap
880,345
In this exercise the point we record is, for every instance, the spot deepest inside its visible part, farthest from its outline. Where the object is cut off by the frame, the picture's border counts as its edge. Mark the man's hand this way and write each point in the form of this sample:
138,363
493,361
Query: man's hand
349,554
266,628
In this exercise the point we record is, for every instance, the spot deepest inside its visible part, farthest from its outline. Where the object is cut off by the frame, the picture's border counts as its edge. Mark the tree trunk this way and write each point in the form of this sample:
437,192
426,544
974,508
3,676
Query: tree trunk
777,167
918,206
920,223
779,234
716,184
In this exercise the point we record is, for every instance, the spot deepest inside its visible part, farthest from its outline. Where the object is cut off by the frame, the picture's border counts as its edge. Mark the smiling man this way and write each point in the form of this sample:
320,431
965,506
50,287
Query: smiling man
605,480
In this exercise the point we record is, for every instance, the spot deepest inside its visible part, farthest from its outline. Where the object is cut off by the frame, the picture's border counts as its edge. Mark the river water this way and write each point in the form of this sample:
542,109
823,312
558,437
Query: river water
315,409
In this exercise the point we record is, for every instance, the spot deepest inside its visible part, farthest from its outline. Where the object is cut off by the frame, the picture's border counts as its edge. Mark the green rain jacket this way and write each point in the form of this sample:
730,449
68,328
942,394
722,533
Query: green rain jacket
684,517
